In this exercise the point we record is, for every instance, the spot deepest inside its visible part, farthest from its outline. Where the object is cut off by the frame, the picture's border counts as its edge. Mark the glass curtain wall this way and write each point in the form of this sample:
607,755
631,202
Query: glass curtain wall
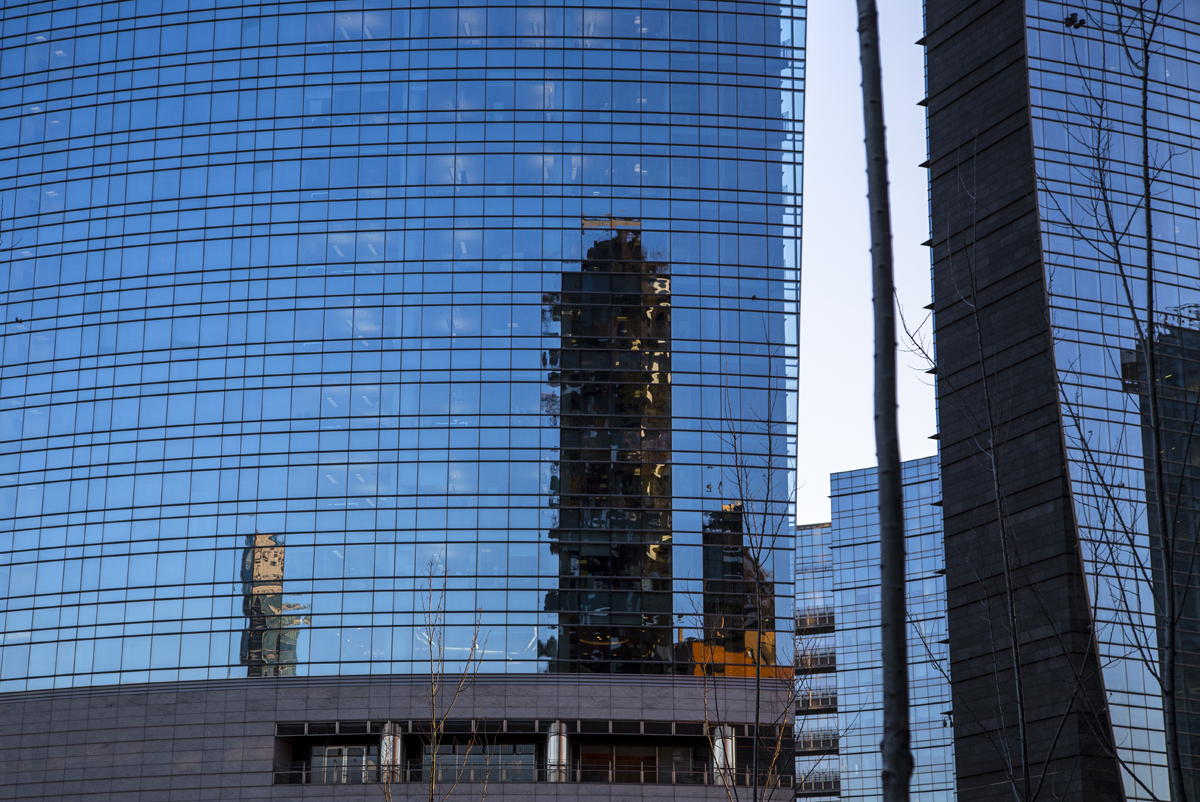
817,731
854,542
311,307
1097,155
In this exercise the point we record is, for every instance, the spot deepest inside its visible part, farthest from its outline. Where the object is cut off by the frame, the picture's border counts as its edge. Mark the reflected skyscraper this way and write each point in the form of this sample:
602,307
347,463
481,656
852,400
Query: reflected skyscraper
613,538
739,598
269,642
317,318
1177,354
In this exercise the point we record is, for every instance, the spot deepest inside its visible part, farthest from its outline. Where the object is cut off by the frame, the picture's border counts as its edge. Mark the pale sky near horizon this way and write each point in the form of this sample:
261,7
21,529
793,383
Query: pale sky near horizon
836,430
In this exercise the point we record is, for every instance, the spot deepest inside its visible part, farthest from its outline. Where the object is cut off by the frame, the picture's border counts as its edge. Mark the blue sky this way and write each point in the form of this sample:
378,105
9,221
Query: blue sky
836,423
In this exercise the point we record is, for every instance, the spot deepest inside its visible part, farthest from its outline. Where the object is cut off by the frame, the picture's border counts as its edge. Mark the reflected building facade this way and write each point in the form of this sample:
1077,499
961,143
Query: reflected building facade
309,310
272,624
1177,358
613,485
739,635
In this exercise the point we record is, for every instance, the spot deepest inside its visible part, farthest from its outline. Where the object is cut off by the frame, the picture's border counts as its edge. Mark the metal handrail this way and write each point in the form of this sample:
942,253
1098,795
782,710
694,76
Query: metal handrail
820,780
814,617
825,658
817,739
509,768
818,698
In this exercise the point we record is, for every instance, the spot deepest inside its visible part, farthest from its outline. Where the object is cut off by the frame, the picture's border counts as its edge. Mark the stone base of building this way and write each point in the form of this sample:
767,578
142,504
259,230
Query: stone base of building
505,737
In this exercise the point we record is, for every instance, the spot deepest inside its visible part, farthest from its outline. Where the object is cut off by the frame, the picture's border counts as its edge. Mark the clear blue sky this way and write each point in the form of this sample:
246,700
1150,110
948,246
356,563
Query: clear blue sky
836,423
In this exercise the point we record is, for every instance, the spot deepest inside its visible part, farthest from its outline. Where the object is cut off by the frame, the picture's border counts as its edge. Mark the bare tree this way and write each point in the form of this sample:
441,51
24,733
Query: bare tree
1011,603
737,614
765,510
450,678
896,747
1134,554
771,729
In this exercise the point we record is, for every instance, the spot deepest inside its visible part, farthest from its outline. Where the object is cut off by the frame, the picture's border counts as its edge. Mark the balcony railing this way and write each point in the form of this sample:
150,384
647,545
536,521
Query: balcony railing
814,618
824,660
822,781
815,740
472,769
816,699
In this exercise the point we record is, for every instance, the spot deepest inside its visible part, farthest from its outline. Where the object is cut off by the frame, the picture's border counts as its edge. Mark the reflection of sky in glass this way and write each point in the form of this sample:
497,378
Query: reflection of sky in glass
290,277
1078,89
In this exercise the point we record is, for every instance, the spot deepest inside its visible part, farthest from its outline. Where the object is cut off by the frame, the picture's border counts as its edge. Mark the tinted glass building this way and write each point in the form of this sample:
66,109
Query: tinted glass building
1065,327
818,769
840,715
319,314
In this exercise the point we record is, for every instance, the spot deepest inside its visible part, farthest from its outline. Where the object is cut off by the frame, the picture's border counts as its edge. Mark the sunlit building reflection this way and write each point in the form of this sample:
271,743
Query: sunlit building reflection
738,600
613,484
272,625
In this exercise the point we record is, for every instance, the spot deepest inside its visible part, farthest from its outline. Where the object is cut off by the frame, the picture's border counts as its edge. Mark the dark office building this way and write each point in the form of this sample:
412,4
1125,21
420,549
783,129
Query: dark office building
1041,276
349,344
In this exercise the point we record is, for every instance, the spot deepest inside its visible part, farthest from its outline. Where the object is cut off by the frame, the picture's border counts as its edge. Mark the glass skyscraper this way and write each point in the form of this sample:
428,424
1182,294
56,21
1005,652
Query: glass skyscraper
840,715
309,307
818,769
1054,129
1100,334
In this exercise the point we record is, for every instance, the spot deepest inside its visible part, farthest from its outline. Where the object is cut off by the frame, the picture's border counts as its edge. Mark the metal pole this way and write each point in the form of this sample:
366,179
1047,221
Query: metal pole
558,754
724,754
391,754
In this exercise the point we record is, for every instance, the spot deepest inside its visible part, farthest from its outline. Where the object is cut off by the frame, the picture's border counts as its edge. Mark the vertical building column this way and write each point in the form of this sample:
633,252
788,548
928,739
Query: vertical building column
724,753
558,754
391,755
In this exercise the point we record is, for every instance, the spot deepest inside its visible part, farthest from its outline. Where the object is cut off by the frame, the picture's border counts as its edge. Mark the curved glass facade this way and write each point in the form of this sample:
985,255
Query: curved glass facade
304,302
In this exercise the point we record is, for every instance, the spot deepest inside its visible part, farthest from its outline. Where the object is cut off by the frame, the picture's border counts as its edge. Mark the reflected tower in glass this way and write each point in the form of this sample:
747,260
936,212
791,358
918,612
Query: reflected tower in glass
1064,249
613,482
315,314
